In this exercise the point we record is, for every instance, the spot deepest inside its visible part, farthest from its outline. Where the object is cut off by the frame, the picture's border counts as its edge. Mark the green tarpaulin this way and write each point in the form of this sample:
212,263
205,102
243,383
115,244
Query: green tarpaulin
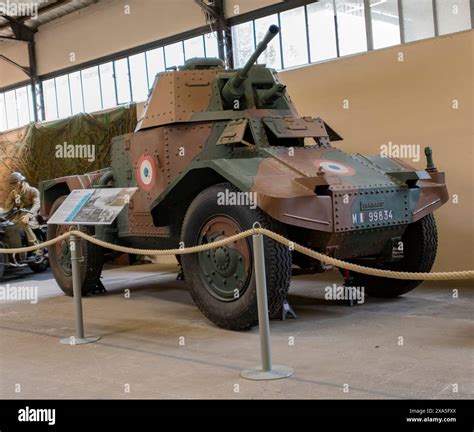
74,145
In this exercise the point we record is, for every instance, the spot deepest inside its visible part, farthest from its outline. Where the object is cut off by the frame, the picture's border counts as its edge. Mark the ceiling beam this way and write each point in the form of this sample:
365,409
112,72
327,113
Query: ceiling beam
54,5
25,69
20,30
9,38
210,9
41,10
215,9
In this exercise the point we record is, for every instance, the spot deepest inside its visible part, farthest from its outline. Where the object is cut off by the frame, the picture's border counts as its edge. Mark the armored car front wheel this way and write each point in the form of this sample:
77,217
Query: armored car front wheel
222,280
60,258
420,242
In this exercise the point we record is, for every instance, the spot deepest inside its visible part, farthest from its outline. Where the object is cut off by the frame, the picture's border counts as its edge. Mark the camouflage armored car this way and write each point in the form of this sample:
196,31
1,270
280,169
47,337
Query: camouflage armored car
215,151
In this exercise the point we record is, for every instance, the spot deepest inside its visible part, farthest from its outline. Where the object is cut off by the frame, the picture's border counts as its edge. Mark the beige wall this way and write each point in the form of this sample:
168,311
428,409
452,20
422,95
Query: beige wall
409,102
18,52
237,7
105,28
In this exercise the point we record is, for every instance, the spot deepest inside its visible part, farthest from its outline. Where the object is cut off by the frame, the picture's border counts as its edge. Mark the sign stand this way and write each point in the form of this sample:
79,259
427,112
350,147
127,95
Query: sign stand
79,338
267,371
87,207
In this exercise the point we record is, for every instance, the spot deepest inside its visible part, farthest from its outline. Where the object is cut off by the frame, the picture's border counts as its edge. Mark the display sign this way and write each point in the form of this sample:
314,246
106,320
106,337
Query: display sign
92,206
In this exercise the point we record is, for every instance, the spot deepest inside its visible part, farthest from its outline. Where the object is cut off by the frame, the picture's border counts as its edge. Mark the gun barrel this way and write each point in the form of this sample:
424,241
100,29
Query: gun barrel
261,47
232,87
269,96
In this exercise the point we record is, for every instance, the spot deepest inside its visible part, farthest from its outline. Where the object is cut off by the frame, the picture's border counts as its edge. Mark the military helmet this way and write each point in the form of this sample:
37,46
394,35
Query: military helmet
15,178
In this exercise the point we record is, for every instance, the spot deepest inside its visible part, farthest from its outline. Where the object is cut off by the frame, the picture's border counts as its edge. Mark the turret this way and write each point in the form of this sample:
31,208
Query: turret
234,88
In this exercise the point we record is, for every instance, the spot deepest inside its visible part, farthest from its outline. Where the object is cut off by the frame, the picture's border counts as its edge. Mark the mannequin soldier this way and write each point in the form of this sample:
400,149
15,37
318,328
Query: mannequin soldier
24,196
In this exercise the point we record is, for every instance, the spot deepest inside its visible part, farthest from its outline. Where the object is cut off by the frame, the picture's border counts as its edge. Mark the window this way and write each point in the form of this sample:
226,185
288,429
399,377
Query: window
272,56
174,54
12,114
156,63
139,78
243,43
23,107
322,30
75,84
194,47
351,26
122,81
418,19
293,36
91,89
50,103
3,113
453,15
64,99
385,23
210,42
107,83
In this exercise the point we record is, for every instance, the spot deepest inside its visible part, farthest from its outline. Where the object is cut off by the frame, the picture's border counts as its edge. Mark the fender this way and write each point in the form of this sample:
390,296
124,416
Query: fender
51,190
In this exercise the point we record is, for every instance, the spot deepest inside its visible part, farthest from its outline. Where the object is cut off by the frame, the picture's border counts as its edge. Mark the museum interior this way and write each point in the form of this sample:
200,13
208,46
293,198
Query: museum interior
331,129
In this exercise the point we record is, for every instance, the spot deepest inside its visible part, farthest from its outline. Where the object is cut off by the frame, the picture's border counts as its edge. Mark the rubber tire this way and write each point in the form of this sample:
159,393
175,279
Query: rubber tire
420,242
240,314
3,260
90,267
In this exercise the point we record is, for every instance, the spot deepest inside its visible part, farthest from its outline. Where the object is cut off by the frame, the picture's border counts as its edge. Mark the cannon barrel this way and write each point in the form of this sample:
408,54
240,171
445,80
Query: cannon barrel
232,89
261,47
271,95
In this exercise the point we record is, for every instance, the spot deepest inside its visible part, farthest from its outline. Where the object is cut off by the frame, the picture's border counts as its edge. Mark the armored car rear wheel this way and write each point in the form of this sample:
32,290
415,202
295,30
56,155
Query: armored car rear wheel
222,280
60,258
420,242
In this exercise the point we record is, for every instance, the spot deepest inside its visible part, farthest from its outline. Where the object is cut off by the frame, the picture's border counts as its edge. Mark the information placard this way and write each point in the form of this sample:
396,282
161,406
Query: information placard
92,206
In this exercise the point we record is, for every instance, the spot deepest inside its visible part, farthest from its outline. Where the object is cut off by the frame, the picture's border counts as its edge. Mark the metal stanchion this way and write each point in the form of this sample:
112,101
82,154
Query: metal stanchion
79,338
266,372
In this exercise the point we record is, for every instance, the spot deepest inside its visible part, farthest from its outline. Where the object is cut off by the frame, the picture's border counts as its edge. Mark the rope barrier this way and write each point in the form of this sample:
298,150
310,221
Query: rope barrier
454,275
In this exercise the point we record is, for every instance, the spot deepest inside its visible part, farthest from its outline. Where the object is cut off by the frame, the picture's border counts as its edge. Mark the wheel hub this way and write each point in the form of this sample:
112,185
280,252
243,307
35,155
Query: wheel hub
225,270
62,251
64,257
225,260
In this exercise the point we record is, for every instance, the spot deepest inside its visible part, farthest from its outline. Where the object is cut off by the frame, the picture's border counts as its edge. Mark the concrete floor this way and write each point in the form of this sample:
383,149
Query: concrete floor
338,351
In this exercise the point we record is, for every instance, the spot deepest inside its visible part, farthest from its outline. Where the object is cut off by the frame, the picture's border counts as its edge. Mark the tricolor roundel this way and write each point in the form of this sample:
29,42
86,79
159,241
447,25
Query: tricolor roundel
146,172
333,167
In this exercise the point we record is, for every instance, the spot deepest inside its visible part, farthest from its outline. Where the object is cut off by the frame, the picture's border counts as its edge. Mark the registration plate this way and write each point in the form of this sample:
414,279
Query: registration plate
364,217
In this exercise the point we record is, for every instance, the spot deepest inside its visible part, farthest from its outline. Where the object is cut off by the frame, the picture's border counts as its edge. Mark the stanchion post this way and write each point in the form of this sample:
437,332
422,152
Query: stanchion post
267,371
79,338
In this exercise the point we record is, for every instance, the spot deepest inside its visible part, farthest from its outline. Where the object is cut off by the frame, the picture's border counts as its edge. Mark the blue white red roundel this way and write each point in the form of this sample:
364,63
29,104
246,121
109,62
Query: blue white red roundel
332,167
146,172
